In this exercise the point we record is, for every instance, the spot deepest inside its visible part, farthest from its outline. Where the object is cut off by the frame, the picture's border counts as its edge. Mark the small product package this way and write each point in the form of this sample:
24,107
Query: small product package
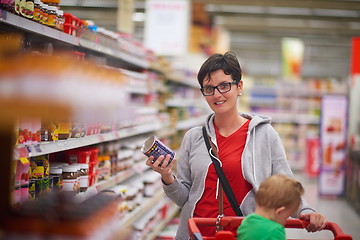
154,147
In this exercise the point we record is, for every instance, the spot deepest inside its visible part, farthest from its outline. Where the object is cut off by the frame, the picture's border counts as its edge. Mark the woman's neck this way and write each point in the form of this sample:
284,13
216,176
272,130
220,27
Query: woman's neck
227,124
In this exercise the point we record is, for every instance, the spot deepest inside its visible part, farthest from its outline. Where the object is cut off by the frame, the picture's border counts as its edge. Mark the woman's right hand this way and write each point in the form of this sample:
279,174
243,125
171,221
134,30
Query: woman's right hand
163,167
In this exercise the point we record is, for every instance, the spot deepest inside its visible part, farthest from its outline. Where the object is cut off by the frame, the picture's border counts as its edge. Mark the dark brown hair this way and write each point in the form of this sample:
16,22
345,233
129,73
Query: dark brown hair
227,62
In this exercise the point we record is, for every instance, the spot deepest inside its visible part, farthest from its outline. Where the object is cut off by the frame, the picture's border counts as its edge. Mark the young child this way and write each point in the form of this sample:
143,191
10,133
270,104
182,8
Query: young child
278,197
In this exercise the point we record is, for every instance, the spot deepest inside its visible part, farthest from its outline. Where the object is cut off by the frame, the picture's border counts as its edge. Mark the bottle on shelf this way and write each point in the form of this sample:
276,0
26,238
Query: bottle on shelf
37,11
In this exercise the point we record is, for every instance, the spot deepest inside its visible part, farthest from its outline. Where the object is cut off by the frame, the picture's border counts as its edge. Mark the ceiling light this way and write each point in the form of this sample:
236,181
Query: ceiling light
234,8
138,17
335,12
289,11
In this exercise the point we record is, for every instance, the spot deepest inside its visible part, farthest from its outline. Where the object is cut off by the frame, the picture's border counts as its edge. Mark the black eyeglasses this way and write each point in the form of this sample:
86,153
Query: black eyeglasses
222,88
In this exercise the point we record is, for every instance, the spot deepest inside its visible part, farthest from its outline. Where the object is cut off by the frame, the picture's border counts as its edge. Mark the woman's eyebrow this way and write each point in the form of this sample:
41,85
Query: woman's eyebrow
208,85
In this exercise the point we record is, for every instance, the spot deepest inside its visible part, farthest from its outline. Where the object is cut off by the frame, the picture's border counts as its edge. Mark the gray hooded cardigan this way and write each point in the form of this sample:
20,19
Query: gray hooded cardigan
263,156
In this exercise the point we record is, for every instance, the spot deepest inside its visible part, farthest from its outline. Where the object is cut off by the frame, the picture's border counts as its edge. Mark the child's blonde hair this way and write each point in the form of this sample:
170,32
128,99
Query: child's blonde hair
279,190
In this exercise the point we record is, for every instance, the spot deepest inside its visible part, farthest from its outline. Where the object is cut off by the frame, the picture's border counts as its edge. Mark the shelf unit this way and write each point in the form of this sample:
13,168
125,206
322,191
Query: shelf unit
16,23
37,149
294,108
13,108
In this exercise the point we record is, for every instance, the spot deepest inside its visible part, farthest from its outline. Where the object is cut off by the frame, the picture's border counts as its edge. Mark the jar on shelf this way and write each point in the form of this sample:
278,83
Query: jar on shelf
29,9
70,178
44,15
4,4
151,184
104,167
37,10
64,124
52,16
57,179
84,176
54,3
11,6
130,196
17,4
36,167
60,20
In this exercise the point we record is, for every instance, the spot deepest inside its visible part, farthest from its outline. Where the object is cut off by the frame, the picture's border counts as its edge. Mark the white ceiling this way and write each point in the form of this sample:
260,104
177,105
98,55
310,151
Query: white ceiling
256,28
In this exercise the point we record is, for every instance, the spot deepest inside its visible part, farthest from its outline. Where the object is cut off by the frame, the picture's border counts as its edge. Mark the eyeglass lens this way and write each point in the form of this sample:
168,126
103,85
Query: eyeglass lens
222,88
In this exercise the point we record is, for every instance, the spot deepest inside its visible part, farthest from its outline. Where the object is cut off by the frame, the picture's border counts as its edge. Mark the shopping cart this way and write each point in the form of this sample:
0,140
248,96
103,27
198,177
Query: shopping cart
195,234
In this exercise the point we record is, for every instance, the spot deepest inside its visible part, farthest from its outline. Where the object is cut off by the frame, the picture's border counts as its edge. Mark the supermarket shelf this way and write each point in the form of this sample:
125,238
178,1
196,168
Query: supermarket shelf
136,61
41,30
138,90
124,225
137,168
173,210
139,211
38,149
292,118
186,124
157,222
97,4
180,102
183,80
121,176
37,28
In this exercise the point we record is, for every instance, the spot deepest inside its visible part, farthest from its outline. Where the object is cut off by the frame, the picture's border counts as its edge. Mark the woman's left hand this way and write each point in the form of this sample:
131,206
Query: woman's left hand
317,221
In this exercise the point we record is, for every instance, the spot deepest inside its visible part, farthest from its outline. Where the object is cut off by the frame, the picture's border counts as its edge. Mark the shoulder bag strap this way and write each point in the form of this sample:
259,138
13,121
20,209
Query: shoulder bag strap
223,180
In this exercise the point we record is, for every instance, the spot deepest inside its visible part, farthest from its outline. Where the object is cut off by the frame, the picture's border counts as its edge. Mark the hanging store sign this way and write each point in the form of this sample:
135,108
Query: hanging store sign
355,56
333,135
167,26
292,58
125,12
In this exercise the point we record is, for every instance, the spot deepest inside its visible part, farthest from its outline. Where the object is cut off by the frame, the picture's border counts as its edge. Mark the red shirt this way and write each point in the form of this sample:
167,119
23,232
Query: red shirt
230,150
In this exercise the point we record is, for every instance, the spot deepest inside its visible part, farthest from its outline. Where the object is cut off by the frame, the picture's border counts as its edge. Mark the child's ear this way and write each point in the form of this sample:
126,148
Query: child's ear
279,210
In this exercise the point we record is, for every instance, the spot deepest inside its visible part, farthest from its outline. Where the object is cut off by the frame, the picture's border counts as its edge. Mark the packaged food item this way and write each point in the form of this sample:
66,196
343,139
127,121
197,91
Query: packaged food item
17,6
64,129
32,189
52,16
4,4
37,170
29,9
70,178
54,3
46,185
57,179
84,176
36,130
25,126
154,147
78,130
60,20
80,155
104,167
37,10
45,14
53,130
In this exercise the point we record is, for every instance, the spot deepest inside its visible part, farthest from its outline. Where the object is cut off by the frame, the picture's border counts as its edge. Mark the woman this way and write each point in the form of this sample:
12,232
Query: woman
249,148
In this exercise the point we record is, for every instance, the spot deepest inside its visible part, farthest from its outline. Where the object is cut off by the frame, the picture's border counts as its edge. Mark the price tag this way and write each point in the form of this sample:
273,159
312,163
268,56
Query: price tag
117,135
3,14
28,148
23,152
101,138
37,148
24,160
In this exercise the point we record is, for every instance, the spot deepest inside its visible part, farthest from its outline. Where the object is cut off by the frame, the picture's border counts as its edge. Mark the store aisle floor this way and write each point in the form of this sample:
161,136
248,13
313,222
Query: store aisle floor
336,210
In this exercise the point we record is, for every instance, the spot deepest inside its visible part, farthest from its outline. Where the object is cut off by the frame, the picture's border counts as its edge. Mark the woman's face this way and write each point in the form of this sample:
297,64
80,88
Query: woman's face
222,102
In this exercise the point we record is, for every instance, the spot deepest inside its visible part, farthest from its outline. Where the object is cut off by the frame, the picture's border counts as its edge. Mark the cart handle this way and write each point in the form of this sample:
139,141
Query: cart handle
193,224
